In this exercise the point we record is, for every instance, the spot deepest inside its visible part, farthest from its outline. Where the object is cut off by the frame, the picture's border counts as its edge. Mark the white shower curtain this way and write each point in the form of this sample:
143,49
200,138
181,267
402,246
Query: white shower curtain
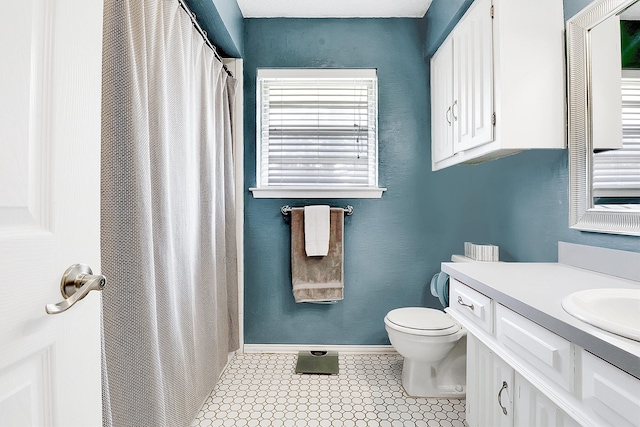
168,232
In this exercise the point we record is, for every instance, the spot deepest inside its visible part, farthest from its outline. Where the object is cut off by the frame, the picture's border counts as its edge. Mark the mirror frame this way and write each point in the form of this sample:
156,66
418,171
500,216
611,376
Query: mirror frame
582,214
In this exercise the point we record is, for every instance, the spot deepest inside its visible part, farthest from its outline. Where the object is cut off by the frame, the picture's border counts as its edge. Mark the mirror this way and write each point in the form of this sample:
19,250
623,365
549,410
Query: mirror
604,132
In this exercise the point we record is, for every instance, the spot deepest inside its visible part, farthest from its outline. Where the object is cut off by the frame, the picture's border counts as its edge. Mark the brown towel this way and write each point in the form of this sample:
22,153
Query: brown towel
317,278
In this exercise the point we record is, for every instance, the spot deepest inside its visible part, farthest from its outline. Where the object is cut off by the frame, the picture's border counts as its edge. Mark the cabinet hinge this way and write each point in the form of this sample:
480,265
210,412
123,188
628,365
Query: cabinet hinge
491,11
493,119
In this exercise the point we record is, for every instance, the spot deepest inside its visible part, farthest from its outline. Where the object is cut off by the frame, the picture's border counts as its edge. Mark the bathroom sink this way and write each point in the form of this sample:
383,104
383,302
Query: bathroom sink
614,310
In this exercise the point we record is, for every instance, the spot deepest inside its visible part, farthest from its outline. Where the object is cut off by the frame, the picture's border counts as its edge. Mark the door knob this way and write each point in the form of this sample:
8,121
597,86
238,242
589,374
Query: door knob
75,284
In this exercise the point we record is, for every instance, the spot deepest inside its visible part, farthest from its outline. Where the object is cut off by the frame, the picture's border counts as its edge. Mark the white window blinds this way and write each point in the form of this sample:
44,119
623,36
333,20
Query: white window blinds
317,128
616,173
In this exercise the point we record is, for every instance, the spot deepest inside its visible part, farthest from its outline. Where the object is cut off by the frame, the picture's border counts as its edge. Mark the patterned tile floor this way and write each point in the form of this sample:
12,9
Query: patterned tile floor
262,390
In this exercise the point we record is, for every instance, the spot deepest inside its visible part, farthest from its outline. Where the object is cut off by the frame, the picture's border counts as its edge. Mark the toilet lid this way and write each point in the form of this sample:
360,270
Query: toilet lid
423,321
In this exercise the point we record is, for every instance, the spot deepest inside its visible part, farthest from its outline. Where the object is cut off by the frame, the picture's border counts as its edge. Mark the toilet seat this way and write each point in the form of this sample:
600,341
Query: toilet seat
421,321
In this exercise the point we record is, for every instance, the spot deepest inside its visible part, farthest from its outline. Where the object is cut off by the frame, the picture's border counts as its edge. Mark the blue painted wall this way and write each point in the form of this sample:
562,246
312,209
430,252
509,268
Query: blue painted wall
395,244
223,22
571,7
439,20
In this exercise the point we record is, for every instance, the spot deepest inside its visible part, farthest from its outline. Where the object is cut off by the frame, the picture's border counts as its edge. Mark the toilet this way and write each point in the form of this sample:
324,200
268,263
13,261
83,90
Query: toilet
433,345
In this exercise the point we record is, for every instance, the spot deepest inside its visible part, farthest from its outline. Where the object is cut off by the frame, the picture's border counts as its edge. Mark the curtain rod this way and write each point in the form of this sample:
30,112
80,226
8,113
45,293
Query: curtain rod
203,33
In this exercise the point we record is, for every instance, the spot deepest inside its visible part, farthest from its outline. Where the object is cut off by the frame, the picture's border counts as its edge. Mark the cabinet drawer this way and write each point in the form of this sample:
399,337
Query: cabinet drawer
471,304
609,393
538,347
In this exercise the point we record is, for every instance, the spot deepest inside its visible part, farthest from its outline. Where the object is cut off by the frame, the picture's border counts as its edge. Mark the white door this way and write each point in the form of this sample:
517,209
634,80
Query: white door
50,85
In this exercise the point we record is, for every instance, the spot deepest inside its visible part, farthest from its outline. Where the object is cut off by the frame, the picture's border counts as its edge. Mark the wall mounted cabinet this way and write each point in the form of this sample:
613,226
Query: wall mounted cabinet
497,83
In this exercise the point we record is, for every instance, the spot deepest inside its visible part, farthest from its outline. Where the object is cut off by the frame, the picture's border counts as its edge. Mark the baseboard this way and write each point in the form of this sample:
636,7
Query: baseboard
294,348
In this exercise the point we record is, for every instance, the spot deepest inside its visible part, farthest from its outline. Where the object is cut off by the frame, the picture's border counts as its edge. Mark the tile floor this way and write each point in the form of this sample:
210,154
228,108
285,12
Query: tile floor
262,390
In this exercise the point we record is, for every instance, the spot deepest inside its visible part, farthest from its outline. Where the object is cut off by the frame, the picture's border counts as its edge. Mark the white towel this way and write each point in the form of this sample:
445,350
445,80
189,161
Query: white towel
316,230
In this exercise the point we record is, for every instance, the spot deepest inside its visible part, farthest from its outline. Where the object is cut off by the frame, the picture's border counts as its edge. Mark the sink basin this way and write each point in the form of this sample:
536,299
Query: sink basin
614,310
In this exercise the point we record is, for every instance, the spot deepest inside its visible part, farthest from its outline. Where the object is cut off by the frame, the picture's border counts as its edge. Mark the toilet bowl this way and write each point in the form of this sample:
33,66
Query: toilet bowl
434,349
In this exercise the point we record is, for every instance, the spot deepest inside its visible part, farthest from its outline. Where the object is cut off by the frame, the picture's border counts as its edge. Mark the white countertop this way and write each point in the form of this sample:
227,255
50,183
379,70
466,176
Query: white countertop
536,290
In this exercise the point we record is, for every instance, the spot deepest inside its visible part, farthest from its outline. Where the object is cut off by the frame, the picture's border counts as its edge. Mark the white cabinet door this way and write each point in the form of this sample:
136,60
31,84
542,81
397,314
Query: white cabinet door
441,103
609,394
502,392
472,107
50,85
476,369
533,408
487,375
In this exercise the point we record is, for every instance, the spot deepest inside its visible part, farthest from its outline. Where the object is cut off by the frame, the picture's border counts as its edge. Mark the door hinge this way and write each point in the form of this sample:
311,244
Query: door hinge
491,11
493,119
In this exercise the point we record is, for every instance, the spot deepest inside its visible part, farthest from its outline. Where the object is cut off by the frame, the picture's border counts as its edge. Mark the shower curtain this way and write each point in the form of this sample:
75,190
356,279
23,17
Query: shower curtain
168,234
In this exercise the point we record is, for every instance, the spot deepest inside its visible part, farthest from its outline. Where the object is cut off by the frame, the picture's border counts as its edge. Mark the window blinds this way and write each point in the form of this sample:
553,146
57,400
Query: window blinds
616,173
317,128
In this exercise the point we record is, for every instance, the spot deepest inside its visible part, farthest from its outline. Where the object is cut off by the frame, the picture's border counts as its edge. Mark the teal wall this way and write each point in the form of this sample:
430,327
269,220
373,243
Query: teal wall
571,7
439,20
395,244
223,22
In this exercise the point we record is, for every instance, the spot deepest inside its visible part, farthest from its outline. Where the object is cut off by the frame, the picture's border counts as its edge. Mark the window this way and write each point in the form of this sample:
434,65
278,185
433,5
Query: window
616,173
317,133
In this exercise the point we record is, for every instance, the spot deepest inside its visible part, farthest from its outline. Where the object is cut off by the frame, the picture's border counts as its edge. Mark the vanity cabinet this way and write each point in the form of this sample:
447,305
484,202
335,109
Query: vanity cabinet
521,374
499,396
497,82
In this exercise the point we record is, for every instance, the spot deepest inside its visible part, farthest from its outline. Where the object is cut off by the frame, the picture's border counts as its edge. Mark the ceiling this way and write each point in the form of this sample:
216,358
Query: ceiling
333,8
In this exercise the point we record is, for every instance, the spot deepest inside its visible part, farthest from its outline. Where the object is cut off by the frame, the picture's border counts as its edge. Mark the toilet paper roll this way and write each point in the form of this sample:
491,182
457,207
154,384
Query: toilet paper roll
442,287
434,282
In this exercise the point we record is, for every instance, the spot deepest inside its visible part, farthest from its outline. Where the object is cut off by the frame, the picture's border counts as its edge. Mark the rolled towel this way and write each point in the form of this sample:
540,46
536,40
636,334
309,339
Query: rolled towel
316,230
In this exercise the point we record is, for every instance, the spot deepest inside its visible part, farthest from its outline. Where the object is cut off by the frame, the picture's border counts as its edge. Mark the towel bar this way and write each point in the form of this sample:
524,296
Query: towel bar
286,209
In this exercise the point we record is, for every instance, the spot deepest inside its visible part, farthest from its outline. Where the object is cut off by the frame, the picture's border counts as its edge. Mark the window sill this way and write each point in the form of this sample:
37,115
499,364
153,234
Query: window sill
317,193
